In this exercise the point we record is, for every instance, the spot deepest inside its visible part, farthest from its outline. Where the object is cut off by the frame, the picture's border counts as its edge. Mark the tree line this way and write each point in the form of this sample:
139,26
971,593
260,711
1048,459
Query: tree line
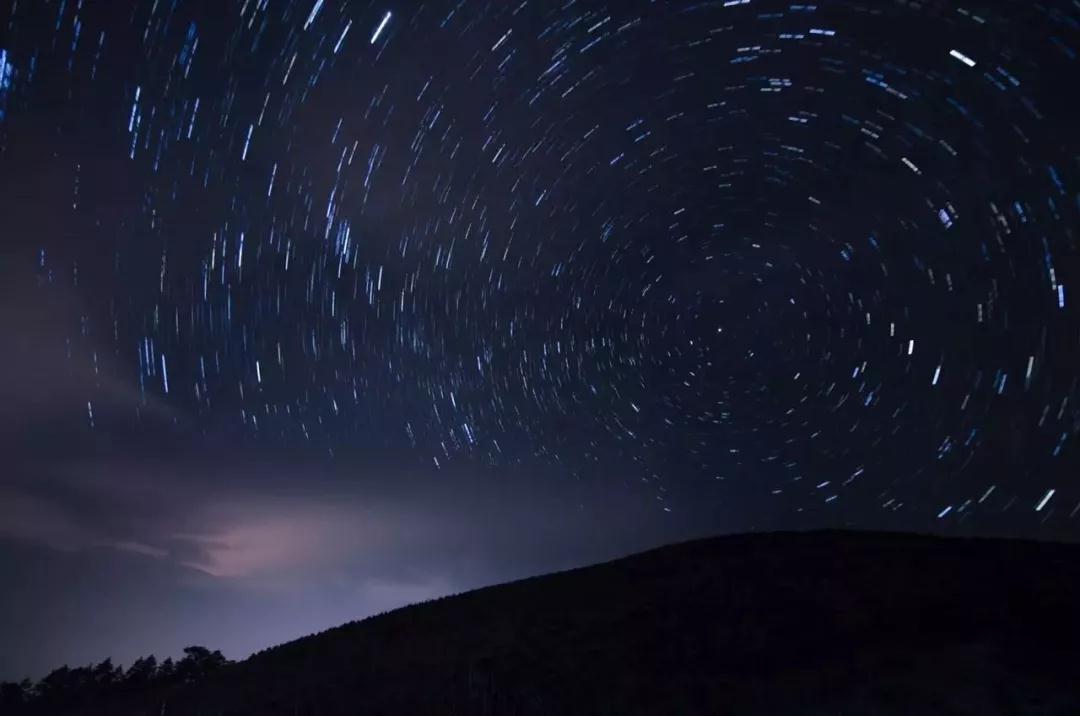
67,687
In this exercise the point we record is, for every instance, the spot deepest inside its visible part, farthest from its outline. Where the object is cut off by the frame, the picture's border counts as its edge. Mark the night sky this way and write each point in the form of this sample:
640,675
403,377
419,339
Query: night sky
313,308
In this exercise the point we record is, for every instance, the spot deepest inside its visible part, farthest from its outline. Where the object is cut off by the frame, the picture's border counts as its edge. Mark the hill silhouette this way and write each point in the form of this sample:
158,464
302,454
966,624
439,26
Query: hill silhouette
787,623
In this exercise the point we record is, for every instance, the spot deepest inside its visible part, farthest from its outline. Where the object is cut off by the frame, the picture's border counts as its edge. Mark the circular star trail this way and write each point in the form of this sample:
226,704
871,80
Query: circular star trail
824,254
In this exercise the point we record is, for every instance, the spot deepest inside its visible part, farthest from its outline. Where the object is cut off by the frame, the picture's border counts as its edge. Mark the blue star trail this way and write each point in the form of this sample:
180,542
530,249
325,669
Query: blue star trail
822,255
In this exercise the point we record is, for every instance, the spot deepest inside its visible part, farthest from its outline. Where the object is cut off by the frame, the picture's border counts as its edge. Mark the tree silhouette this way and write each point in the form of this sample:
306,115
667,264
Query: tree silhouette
142,671
75,690
167,670
105,674
57,684
15,694
198,662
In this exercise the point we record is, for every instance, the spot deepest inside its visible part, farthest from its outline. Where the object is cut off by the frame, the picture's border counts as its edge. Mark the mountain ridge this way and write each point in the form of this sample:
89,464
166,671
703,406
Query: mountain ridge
829,621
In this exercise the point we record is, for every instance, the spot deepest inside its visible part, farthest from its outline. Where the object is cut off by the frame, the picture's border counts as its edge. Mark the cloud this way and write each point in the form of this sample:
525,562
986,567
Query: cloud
35,519
302,537
239,522
138,548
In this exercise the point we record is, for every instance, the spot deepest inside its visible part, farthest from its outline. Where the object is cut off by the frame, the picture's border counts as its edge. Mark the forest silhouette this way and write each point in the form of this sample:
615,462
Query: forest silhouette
71,690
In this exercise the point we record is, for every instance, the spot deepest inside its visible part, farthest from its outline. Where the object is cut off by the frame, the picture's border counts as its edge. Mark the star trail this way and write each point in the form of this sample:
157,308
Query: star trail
823,256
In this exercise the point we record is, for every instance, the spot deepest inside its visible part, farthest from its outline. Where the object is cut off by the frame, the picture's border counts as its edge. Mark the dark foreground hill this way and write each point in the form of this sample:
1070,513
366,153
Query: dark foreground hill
812,623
